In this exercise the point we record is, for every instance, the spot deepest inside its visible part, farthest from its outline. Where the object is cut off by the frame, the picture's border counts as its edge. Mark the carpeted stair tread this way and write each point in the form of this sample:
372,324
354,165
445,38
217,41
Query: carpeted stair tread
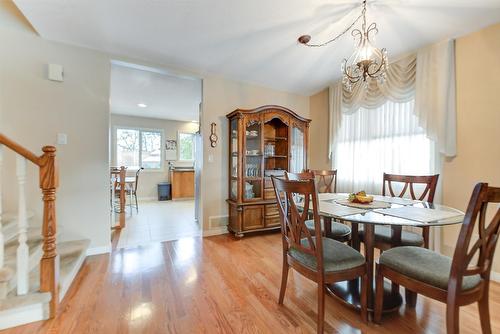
70,252
28,299
34,244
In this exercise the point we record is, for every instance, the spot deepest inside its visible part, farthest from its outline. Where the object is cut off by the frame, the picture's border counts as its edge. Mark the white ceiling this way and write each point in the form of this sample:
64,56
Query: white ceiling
166,96
252,41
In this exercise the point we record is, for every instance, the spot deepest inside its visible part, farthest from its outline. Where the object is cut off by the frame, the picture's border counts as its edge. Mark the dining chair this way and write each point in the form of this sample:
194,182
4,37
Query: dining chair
385,236
319,259
132,192
117,182
326,180
338,231
457,281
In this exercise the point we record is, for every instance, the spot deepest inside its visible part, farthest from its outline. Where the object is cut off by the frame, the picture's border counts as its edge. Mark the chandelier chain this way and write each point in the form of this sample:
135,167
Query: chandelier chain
362,15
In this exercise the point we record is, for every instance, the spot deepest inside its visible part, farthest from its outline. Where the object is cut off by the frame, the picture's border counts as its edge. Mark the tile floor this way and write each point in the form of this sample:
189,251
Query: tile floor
159,221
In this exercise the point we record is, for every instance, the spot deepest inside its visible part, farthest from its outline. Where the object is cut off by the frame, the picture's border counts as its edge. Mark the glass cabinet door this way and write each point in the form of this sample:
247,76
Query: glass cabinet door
234,159
297,159
252,162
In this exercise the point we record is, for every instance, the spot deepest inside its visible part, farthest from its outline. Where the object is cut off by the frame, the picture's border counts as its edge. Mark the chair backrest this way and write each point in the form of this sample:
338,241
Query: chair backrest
293,227
326,180
118,174
429,180
305,175
137,178
476,259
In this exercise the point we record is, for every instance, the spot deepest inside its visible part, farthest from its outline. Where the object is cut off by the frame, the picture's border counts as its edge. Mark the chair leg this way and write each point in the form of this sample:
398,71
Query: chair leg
484,311
284,279
379,295
411,298
364,298
321,307
452,319
136,204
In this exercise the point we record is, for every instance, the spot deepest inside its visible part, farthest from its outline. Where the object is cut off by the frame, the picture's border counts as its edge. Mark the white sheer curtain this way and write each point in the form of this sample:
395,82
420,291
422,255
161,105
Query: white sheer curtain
387,139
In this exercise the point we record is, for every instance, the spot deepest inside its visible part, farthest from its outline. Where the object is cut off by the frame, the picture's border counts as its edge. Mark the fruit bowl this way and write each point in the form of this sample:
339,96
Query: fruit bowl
360,197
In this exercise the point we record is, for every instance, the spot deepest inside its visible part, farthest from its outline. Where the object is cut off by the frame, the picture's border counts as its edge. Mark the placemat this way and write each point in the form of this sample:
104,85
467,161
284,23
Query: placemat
333,209
369,206
395,200
330,196
423,215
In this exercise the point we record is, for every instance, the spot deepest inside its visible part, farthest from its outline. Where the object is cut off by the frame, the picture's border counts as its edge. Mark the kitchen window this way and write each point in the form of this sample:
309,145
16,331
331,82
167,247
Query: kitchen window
186,146
139,148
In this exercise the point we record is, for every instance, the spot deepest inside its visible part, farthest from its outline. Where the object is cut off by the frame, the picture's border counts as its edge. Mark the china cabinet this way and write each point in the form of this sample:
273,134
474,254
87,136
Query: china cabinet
264,141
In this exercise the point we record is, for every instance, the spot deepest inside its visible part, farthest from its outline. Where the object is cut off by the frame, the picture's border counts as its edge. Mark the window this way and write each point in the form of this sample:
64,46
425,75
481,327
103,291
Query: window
186,146
386,139
139,148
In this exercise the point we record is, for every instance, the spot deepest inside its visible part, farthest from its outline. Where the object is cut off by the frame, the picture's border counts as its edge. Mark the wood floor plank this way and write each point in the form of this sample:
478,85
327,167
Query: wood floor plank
219,285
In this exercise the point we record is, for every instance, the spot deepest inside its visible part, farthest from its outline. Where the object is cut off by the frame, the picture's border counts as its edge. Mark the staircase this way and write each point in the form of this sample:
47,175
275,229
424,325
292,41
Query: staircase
35,270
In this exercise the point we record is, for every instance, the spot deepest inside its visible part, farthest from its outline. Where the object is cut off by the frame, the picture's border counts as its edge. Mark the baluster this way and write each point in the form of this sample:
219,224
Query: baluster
5,273
22,249
1,210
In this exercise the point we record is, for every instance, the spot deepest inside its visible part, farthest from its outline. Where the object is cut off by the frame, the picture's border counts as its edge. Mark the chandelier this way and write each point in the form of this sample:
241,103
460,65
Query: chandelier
367,61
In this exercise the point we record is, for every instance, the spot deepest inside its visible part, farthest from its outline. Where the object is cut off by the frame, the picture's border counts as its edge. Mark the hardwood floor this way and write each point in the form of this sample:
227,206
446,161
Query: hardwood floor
219,285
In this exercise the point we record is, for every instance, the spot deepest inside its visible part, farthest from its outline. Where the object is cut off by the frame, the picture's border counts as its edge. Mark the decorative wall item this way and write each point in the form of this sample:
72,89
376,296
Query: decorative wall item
213,135
170,149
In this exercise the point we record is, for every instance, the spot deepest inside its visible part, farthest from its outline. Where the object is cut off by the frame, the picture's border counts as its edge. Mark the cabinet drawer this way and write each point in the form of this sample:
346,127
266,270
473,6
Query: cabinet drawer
269,193
273,221
272,210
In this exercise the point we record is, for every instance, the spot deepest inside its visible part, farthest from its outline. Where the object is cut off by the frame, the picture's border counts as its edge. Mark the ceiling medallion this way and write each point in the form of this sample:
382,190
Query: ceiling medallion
367,61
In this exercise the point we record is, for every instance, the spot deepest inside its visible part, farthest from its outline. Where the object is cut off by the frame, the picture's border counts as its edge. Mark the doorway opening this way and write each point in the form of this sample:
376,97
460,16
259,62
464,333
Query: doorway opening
154,145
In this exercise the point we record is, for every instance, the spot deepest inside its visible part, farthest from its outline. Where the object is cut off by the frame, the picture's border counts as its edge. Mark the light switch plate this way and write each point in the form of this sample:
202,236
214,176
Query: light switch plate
56,72
62,139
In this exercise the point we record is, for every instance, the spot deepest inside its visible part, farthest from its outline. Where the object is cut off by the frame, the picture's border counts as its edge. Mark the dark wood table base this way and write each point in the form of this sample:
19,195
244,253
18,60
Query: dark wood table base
349,293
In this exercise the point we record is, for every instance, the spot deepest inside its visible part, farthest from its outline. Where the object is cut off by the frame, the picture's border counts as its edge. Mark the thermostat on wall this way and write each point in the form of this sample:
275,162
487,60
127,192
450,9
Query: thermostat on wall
55,72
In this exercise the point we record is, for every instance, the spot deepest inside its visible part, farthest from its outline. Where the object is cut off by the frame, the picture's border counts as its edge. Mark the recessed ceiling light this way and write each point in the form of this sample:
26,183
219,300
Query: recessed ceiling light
142,105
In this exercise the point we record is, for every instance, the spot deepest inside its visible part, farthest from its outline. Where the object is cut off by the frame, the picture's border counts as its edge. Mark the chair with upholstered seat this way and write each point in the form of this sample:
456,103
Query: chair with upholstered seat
320,259
338,231
384,235
456,281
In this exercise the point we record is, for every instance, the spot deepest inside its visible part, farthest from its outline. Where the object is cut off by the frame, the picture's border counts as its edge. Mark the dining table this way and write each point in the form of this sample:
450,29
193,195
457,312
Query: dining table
395,212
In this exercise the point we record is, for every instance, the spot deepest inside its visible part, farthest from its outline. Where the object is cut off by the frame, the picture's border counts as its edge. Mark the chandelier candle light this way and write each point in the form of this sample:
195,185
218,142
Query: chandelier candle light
367,61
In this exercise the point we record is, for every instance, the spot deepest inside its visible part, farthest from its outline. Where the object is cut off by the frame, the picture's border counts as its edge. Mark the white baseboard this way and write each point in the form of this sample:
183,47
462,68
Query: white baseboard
495,276
215,231
99,250
147,199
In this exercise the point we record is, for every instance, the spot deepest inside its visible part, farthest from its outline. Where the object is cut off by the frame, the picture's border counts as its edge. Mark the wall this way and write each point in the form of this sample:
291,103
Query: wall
149,179
220,97
33,110
478,124
318,134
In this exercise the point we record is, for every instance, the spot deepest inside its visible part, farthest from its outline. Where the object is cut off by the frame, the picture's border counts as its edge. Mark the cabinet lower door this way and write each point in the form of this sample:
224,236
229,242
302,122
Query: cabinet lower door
253,217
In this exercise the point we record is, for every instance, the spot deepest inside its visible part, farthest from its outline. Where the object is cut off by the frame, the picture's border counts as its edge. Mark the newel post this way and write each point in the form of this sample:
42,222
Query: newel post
123,175
49,264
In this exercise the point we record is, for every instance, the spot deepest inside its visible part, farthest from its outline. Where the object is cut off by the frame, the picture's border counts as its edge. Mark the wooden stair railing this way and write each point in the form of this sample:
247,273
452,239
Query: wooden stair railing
49,181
